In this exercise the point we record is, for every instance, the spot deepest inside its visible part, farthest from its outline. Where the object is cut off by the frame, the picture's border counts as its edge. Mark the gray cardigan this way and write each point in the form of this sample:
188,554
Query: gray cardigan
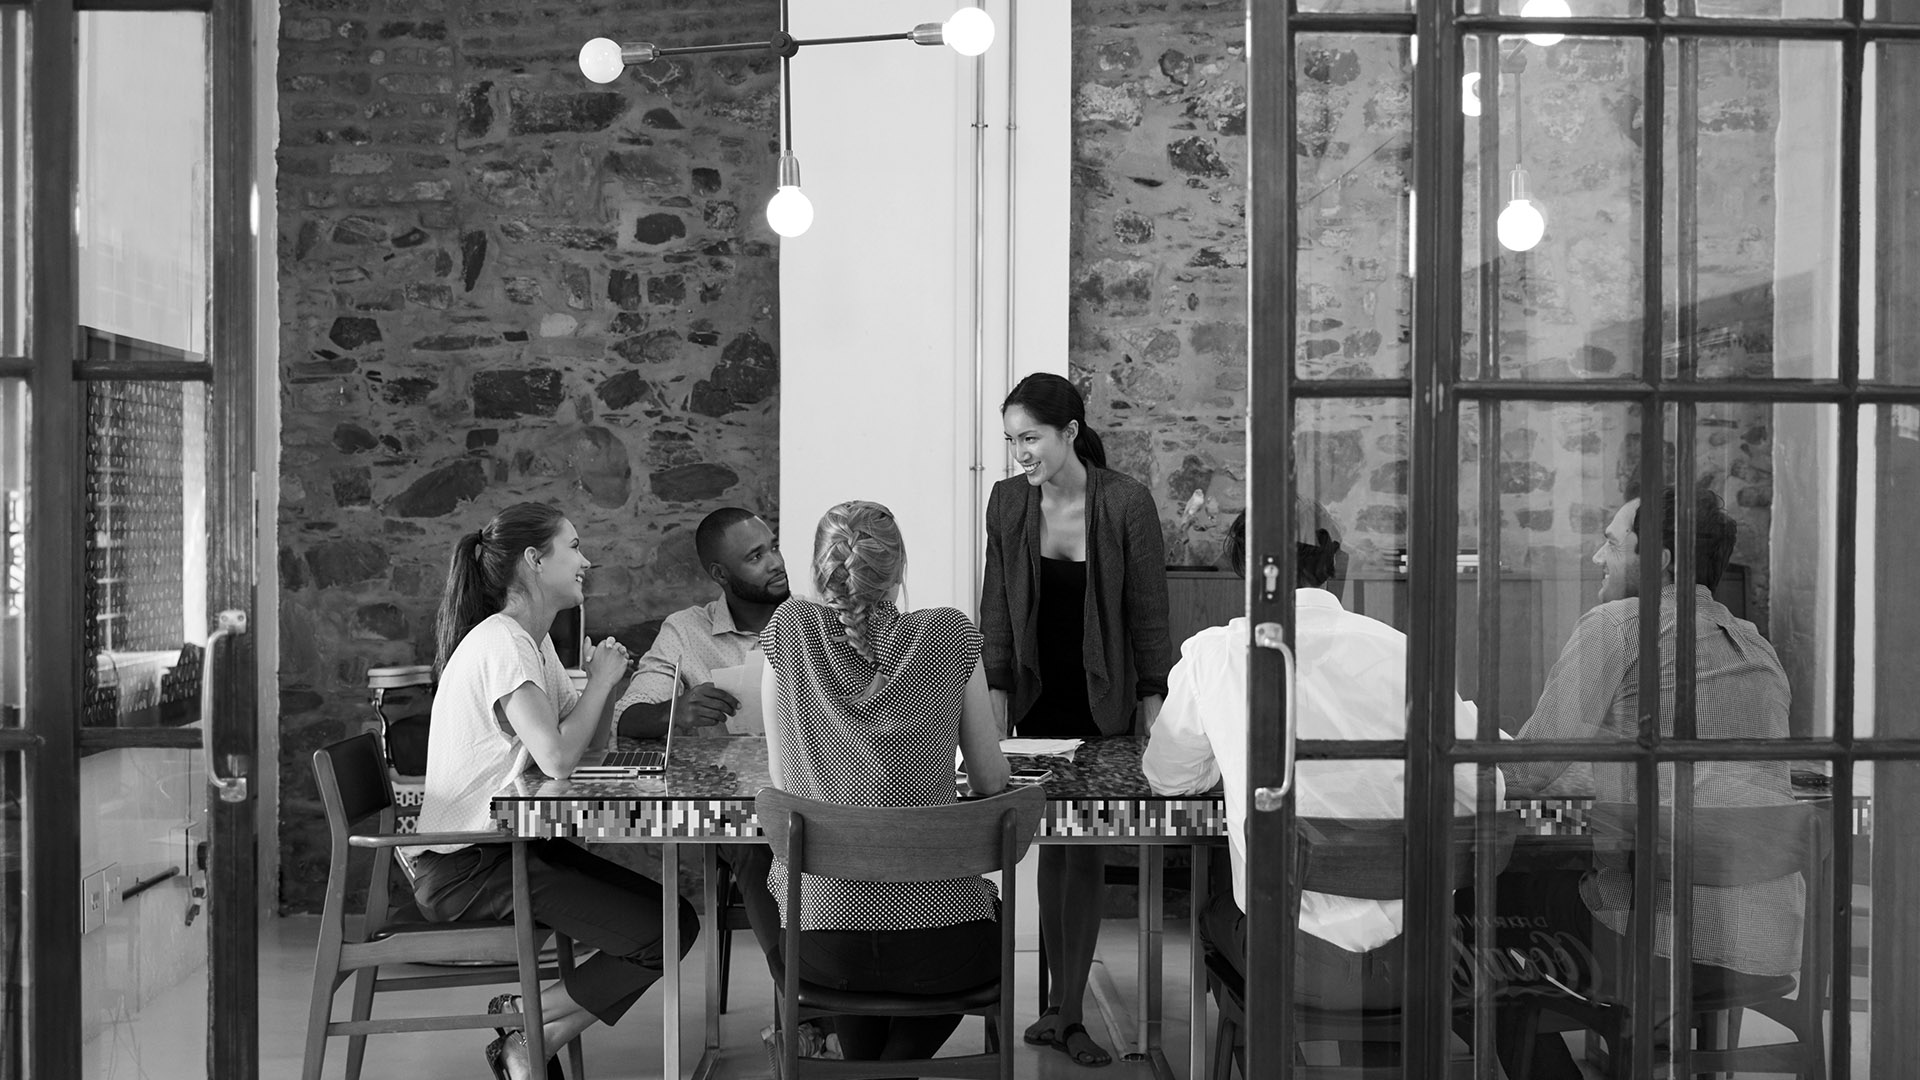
1125,650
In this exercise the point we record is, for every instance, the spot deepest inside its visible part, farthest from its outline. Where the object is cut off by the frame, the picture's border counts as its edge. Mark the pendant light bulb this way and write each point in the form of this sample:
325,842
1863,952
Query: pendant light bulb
1470,93
600,60
790,212
968,31
1522,224
1545,9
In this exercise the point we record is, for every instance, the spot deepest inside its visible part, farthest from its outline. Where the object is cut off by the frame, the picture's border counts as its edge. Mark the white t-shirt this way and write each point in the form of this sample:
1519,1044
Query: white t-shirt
1352,685
472,752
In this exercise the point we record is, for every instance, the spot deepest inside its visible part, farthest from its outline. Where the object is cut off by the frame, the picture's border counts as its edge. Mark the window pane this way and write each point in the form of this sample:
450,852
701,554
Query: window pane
1539,484
1751,245
146,552
13,550
1757,9
1886,892
1563,8
1354,315
1553,218
1348,7
16,216
1775,470
1351,457
1889,216
144,194
1887,576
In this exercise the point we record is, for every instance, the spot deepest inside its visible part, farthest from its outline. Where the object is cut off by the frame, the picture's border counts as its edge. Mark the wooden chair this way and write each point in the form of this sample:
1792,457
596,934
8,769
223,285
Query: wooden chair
1358,857
354,787
1732,846
915,843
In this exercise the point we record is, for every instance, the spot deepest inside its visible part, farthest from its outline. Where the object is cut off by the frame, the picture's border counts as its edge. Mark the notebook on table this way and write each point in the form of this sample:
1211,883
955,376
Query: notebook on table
629,764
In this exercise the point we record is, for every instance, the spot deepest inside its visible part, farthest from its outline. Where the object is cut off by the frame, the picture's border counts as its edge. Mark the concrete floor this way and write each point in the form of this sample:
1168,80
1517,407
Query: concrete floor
166,1040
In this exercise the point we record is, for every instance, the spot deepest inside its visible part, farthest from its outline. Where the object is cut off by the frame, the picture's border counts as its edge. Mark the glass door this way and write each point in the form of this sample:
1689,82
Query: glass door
126,380
1585,322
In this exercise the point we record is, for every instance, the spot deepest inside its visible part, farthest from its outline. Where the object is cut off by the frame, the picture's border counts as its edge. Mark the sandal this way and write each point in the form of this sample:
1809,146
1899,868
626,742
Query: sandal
1092,1058
1045,1038
497,1049
503,1003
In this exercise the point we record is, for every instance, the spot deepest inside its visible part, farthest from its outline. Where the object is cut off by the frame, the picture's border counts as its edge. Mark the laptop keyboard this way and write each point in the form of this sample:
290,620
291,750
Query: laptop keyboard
636,759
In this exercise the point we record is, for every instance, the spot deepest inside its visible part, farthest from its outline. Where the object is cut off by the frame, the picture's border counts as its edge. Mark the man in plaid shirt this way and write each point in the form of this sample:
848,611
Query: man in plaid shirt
1592,692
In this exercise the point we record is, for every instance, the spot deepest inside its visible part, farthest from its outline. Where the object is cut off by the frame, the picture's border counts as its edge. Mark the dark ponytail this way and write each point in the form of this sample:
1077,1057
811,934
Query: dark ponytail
481,571
1055,402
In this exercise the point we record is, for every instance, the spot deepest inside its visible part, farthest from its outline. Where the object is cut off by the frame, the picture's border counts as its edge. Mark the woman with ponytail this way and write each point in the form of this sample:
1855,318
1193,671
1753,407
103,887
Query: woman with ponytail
1073,606
504,699
865,705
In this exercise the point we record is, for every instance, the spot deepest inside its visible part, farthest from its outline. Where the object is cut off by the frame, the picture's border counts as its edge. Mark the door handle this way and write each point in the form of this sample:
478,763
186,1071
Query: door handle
232,787
1268,635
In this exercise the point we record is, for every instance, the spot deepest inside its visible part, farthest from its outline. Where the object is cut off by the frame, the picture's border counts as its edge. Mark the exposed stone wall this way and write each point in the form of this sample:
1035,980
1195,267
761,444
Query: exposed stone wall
1159,298
500,282
1157,332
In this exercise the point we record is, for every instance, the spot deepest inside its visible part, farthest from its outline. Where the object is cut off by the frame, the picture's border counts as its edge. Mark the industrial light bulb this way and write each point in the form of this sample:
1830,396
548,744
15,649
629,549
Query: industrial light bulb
600,60
1521,224
790,212
1545,9
1470,93
968,31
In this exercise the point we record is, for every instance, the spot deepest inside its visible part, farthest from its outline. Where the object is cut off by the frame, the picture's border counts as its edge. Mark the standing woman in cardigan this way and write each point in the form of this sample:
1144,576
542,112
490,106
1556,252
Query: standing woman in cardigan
1073,608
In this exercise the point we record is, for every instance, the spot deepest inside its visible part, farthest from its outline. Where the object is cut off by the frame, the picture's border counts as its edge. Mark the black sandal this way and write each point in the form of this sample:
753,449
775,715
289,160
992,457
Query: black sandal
1044,1040
1093,1059
497,1052
503,1003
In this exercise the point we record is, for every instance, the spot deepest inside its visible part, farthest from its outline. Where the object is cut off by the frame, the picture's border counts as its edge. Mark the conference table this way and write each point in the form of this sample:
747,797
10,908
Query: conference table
706,798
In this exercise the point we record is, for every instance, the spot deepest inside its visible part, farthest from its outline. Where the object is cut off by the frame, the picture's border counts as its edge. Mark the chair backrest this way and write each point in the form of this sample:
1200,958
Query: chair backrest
352,780
900,843
1366,857
1732,845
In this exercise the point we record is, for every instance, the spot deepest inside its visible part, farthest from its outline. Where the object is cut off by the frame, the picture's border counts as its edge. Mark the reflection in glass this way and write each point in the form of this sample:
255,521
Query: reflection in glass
1541,9
1558,134
146,552
1887,578
16,218
1757,9
1352,456
13,550
1889,217
1753,838
1752,209
1355,161
143,193
1885,890
1539,482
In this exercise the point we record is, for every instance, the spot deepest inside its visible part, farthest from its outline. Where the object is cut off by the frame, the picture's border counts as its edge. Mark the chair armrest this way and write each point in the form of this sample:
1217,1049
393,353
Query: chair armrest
431,839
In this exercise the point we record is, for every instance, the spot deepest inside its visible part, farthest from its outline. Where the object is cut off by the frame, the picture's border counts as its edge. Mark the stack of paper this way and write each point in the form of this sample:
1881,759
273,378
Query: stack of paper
1060,748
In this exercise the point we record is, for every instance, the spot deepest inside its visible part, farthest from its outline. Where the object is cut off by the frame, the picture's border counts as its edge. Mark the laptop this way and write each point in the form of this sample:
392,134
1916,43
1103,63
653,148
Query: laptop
626,764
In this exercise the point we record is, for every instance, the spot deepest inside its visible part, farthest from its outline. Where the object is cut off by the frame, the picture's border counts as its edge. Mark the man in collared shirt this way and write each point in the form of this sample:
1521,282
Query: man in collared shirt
738,551
1351,674
1593,692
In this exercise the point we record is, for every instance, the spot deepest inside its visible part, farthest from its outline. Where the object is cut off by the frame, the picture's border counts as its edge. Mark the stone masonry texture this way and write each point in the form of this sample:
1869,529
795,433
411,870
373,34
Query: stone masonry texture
501,282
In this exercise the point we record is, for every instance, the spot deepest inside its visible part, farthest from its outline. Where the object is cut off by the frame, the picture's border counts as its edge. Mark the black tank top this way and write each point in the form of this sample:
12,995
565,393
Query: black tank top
1061,711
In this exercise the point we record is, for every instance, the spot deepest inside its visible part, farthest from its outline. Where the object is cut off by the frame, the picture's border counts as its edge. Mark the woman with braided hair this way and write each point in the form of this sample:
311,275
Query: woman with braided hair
1073,603
864,706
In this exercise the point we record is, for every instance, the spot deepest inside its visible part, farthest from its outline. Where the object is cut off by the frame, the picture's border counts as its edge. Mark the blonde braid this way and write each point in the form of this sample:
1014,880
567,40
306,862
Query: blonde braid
857,560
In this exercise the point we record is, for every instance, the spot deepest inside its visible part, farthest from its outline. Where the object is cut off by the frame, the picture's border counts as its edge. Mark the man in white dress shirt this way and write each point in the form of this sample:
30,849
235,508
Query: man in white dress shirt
1352,685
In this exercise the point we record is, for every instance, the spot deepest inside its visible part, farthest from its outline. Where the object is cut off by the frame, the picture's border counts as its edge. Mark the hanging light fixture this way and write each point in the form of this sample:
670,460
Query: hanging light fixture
968,31
1470,93
1522,224
1546,9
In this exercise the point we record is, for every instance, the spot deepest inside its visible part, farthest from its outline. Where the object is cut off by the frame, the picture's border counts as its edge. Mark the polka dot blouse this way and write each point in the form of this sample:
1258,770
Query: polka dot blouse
893,750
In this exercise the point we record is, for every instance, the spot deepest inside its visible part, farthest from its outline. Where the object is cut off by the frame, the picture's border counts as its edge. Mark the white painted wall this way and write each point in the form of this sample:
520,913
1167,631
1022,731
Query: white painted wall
876,299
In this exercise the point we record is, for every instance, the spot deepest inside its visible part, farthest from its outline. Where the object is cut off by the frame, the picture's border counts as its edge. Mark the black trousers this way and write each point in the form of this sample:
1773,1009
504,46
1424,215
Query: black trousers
938,960
597,903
